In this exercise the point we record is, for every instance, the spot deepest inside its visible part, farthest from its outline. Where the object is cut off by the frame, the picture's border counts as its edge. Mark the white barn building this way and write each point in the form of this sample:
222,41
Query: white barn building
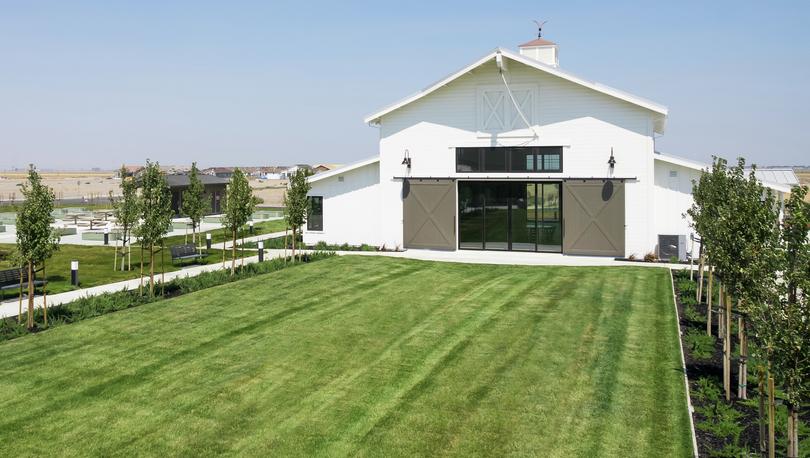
511,153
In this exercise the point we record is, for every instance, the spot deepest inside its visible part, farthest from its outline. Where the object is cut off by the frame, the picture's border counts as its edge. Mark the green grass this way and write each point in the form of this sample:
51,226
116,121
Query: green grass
363,356
218,235
96,265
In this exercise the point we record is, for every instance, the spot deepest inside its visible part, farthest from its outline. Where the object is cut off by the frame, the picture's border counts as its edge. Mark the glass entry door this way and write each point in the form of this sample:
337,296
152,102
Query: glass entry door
518,216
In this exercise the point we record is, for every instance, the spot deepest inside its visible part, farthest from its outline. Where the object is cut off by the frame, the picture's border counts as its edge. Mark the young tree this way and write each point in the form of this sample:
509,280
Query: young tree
127,211
296,203
195,203
155,215
791,314
239,205
36,239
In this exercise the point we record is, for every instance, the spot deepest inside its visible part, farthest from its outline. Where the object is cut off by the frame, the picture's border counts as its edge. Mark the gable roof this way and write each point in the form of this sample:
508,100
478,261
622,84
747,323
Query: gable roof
660,110
344,169
695,165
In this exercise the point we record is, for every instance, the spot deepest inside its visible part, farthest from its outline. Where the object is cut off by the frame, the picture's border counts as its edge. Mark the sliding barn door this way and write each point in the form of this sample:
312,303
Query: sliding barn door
593,218
429,219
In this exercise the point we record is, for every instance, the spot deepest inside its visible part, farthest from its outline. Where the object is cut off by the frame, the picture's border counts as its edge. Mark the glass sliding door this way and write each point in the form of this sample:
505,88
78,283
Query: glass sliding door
517,215
550,217
496,215
470,216
524,216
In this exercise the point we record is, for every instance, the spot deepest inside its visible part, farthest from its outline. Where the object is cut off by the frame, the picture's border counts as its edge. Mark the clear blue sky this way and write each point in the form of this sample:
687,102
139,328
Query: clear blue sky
246,83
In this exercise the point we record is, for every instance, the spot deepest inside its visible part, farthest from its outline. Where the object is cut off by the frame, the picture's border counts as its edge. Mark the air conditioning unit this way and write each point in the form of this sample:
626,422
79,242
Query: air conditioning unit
672,245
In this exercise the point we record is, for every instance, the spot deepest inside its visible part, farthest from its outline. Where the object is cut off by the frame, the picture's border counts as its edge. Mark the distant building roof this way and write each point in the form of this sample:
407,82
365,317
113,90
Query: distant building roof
779,175
181,181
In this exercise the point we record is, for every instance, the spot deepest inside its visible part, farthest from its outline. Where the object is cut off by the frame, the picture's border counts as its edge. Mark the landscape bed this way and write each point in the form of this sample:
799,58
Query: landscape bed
364,356
724,429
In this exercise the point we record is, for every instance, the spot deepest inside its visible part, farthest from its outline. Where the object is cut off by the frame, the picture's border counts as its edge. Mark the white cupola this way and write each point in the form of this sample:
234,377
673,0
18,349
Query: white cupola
541,50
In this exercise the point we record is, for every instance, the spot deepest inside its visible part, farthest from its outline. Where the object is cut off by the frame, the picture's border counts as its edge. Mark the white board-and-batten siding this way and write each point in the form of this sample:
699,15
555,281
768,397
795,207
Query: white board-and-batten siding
585,122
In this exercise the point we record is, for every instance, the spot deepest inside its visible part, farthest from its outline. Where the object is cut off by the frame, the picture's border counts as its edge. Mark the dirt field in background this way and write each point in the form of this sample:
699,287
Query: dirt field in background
65,185
97,185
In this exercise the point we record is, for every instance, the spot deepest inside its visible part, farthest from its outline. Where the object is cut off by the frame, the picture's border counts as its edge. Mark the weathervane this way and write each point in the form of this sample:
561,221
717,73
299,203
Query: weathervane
540,28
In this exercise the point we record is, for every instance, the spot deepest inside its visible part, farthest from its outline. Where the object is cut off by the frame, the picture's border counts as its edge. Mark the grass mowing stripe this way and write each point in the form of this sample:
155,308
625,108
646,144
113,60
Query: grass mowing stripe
418,358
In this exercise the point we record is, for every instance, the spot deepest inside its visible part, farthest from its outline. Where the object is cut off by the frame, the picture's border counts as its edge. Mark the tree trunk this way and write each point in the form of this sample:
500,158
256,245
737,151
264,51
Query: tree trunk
794,412
763,429
700,282
140,287
44,295
709,303
293,245
233,253
727,350
742,376
242,249
771,419
224,238
286,230
115,256
129,254
151,270
30,295
791,436
19,315
162,271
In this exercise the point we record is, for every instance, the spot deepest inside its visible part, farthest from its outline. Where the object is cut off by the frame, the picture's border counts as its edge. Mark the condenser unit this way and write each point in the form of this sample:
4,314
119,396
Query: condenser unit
671,245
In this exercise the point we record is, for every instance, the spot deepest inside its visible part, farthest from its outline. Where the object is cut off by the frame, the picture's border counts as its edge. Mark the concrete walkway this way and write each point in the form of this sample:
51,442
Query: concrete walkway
10,308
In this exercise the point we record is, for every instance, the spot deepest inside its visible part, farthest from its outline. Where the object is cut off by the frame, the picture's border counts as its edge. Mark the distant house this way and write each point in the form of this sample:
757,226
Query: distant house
214,188
272,173
289,171
220,172
318,168
130,171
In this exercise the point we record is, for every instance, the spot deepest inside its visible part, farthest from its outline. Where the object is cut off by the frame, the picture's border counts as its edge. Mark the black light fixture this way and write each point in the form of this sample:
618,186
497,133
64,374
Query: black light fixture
612,160
407,159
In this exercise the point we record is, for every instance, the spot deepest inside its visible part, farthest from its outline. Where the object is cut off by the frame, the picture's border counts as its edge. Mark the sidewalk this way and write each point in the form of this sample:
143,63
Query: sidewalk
10,308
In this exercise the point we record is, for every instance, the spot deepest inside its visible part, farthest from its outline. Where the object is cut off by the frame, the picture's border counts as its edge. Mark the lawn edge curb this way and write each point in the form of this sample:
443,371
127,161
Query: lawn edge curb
689,407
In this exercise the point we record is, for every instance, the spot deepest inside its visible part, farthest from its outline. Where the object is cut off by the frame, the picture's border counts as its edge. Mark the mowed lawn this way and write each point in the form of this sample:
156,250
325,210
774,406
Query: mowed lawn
367,356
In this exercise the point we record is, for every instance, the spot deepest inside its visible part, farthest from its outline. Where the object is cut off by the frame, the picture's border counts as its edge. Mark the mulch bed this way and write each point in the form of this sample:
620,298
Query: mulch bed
713,368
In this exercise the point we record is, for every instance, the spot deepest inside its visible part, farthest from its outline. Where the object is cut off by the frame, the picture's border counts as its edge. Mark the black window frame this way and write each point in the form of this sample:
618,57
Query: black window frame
539,154
317,224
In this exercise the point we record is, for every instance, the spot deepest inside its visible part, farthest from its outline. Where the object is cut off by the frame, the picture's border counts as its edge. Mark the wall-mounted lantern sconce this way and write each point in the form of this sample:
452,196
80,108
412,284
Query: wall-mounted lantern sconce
407,159
612,160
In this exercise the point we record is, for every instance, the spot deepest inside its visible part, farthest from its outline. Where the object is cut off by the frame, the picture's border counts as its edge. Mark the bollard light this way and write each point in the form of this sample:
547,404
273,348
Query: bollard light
261,251
208,240
74,273
106,235
250,223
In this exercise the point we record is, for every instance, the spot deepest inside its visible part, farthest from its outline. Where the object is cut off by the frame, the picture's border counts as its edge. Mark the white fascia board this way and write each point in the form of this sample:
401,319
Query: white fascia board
344,169
688,163
661,110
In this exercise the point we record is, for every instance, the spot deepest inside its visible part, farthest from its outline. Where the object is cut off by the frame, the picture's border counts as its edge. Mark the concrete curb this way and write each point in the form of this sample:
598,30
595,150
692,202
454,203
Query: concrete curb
689,406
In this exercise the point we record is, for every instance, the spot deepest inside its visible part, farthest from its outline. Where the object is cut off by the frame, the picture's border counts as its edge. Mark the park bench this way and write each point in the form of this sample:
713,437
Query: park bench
184,252
10,279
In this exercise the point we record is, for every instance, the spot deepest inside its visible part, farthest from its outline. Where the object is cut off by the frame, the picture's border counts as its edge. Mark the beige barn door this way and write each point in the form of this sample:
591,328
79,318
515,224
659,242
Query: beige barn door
593,218
429,219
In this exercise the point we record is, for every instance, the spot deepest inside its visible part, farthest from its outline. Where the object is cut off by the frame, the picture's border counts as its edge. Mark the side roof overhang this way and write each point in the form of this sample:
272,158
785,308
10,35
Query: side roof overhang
695,165
344,169
660,111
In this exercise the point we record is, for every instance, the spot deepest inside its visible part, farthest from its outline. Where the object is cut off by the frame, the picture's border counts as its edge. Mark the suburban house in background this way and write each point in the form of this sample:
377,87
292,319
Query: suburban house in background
220,172
512,153
319,168
214,188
